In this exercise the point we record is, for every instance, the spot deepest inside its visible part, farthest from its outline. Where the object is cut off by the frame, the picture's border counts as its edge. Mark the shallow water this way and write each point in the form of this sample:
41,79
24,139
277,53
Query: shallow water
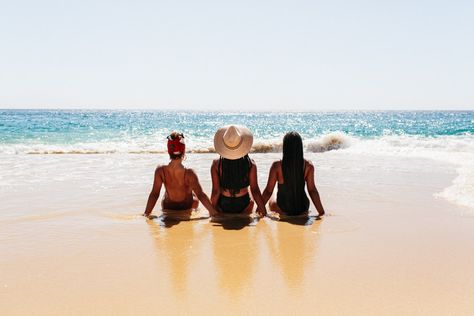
397,237
445,136
73,242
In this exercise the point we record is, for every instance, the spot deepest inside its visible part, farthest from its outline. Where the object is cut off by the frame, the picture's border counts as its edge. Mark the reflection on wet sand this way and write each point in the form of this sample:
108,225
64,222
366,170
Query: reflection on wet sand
169,218
235,254
293,247
230,222
179,246
232,248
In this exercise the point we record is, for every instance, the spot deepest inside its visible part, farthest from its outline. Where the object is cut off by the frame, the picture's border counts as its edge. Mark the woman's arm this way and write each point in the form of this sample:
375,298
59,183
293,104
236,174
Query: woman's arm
313,192
197,189
272,179
155,193
254,188
216,189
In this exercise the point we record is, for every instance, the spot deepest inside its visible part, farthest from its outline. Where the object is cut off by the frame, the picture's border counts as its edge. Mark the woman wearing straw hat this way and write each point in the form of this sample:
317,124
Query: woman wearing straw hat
234,172
292,173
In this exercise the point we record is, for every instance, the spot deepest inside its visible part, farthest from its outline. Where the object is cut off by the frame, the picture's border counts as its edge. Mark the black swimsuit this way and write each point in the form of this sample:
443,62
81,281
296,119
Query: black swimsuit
232,204
284,197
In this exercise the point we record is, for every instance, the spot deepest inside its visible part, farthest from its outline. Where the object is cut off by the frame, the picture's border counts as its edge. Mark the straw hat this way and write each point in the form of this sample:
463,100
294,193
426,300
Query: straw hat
233,141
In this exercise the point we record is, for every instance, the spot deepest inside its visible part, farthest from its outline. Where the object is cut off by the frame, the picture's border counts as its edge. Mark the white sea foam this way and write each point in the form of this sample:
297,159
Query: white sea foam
456,150
332,141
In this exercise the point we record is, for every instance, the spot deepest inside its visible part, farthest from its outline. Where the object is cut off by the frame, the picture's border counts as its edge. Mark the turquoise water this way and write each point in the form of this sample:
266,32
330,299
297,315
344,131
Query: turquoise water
446,136
69,127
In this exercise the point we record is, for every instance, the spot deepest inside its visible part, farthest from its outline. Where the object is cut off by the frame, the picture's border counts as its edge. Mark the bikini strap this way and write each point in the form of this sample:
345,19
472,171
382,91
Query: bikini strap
164,179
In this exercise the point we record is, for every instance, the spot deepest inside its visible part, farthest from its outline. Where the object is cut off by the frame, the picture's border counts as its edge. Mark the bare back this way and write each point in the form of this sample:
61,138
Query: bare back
176,181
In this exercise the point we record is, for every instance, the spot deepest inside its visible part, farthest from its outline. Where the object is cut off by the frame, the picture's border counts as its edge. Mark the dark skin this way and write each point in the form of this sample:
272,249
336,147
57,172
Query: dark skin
178,186
276,175
254,189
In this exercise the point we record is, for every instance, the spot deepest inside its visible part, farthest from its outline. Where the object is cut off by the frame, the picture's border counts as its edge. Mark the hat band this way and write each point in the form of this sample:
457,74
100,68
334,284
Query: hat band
233,147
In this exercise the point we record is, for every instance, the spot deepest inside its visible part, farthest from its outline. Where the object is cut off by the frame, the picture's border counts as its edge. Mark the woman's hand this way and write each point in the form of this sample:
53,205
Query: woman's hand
261,211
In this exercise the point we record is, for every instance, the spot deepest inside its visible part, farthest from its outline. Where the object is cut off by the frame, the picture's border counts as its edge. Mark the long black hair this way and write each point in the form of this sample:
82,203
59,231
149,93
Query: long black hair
234,174
293,165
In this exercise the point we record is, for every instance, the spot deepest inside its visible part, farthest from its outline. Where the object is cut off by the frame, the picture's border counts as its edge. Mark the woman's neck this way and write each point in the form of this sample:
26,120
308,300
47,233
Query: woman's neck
175,163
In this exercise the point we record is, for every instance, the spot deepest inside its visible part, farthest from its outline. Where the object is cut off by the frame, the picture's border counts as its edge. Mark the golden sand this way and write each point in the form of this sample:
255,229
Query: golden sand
394,250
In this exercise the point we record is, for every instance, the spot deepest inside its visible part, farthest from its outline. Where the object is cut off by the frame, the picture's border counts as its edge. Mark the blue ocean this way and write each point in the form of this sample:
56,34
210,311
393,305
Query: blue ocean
84,138
89,131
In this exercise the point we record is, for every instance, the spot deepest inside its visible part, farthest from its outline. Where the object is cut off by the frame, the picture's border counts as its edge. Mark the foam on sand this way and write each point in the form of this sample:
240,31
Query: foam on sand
455,150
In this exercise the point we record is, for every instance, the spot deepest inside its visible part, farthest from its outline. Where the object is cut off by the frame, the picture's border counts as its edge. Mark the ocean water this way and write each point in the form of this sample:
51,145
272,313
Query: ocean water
82,131
446,136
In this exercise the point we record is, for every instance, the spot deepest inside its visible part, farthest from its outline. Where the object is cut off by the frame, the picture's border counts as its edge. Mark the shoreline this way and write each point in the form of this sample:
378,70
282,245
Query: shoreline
450,171
386,245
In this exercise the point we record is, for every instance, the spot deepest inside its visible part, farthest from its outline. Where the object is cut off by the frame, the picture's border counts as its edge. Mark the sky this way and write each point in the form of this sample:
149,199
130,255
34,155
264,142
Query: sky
237,55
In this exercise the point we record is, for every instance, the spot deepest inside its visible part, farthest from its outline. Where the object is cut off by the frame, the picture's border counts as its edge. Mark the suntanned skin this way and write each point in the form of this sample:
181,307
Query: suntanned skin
254,189
178,187
276,175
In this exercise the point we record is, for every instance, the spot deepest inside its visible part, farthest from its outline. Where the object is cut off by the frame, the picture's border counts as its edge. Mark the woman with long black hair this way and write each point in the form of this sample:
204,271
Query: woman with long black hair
234,172
292,173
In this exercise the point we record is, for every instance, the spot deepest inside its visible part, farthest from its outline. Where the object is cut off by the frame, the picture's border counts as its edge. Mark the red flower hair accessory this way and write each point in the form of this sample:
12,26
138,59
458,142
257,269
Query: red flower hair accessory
176,146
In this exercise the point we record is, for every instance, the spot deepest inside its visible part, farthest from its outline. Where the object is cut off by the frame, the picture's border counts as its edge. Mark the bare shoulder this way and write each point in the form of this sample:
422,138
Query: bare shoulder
252,162
192,179
309,165
159,169
253,165
276,165
159,173
191,173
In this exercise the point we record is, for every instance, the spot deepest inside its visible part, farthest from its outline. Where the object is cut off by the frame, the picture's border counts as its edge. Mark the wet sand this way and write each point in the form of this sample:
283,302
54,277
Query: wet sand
72,243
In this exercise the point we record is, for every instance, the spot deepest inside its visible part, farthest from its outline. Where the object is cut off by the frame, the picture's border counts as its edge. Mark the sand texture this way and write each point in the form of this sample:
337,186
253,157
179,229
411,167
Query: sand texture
72,242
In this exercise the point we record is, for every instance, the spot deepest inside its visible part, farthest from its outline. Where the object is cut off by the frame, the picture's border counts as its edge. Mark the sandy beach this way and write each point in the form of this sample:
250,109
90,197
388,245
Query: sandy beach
94,95
73,242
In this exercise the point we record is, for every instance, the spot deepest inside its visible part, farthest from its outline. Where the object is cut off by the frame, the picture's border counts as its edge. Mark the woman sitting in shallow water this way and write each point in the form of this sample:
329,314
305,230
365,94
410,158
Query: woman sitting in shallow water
181,184
234,172
292,173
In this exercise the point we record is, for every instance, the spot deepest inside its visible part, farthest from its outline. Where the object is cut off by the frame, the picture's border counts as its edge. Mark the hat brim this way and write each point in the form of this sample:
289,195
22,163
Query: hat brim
233,153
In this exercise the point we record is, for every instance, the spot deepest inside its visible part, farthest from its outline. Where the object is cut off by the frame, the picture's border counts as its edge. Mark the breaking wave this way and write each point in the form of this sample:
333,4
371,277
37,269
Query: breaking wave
329,142
456,150
325,143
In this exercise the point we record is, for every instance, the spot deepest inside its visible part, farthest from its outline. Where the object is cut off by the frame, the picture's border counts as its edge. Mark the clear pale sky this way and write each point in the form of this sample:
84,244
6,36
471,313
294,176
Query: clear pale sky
237,55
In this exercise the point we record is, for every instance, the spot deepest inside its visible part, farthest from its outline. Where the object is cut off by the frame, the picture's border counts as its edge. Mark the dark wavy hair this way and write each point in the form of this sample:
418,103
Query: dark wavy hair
234,174
292,166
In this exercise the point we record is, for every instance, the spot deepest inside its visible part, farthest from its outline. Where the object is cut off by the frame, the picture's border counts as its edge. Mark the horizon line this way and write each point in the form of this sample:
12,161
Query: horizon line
172,109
